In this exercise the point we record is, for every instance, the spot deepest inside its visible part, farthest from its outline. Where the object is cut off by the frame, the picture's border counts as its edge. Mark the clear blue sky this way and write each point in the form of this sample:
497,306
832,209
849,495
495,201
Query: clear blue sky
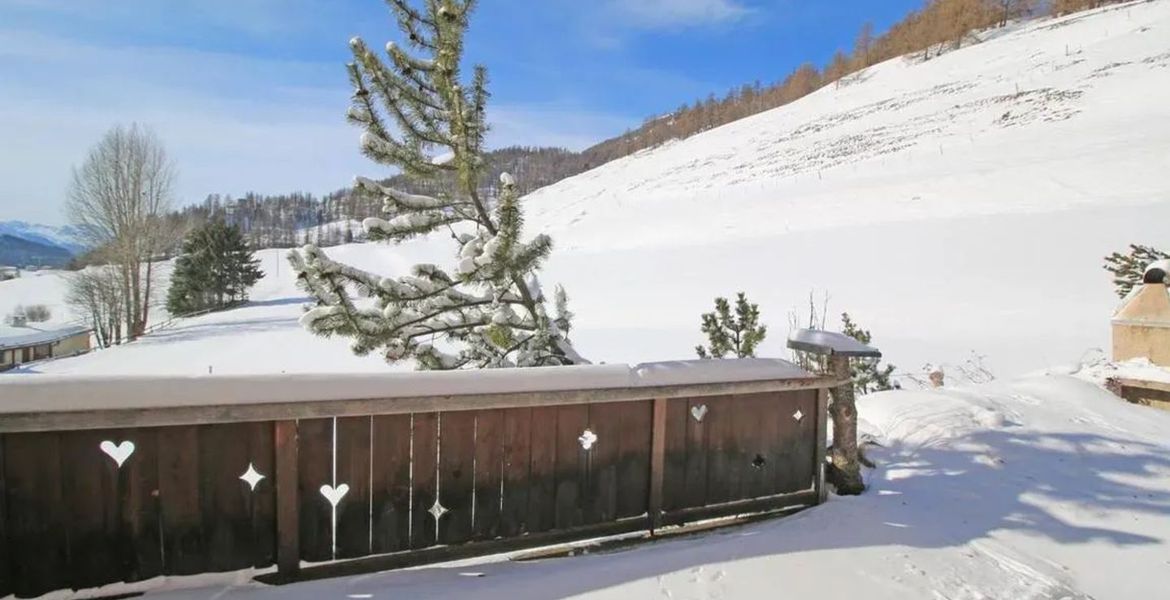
251,94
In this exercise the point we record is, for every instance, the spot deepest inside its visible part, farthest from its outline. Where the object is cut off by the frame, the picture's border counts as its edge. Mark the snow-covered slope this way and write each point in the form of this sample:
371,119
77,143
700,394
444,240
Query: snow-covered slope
954,206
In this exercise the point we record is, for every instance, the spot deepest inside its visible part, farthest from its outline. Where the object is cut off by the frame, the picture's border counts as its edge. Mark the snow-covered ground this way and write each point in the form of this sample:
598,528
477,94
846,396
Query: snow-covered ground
955,206
1044,488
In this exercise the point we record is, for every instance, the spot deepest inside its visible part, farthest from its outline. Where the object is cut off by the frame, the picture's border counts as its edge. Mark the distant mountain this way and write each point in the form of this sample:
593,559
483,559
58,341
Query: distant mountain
66,238
20,252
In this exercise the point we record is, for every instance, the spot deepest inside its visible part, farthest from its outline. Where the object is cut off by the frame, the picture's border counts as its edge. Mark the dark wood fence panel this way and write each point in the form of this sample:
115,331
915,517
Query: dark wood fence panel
516,446
238,521
390,484
456,477
180,489
5,553
36,511
425,436
353,470
83,508
542,481
572,469
314,469
739,447
489,456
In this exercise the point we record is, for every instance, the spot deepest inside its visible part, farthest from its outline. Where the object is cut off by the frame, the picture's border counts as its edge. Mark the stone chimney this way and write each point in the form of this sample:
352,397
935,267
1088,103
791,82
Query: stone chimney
1141,327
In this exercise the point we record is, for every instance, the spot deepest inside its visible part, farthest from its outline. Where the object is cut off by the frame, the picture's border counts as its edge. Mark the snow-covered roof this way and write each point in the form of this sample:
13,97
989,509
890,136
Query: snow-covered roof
49,392
829,342
20,337
1157,272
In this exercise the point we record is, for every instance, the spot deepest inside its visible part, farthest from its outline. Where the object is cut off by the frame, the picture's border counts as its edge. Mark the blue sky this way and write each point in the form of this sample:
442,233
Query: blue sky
251,94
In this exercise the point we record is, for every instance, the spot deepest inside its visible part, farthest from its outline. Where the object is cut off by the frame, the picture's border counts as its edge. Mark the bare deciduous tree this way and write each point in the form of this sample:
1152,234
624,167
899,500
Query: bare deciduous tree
96,294
119,199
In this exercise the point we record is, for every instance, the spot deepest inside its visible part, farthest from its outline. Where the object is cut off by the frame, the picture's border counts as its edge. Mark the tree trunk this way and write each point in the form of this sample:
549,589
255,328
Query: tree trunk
844,470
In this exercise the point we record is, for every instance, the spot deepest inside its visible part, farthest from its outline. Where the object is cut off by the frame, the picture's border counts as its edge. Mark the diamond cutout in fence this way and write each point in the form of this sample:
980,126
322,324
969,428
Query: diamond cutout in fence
437,511
587,439
251,476
798,415
118,452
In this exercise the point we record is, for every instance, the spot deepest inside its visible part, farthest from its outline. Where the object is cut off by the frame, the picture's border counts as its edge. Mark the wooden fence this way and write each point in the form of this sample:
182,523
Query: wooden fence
109,480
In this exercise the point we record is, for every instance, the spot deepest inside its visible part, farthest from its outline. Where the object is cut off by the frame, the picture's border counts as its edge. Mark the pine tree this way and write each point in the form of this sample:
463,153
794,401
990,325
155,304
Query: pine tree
738,335
214,271
1129,269
488,312
867,373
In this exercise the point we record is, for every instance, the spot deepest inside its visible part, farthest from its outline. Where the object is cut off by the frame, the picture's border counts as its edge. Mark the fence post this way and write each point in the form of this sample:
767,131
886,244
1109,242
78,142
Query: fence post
657,463
288,545
822,441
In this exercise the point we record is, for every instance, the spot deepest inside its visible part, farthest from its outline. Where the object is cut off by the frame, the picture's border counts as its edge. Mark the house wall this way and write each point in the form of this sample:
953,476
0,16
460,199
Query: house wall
77,344
1138,341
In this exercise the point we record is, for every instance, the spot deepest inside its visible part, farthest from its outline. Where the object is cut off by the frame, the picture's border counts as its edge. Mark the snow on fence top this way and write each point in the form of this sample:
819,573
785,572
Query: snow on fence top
46,393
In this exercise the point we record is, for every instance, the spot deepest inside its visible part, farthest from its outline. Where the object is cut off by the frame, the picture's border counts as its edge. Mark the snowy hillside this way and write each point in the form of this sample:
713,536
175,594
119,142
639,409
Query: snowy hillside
956,206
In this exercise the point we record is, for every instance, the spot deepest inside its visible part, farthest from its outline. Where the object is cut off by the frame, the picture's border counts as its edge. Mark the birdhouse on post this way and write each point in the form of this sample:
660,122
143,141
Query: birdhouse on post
1141,326
844,469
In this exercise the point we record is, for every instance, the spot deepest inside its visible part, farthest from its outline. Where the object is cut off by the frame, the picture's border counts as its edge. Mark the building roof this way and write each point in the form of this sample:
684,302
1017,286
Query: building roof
819,341
20,337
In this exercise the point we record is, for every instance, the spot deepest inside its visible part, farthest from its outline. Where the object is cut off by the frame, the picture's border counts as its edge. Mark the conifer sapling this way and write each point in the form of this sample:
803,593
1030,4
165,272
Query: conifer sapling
738,335
489,311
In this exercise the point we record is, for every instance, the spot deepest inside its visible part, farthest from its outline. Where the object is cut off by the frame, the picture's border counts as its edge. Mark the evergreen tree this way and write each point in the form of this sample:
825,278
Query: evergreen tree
215,270
867,373
1128,269
488,312
726,334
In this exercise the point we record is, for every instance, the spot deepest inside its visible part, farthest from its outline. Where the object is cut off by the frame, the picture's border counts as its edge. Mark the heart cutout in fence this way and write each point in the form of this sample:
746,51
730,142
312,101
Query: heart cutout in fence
698,412
334,494
118,452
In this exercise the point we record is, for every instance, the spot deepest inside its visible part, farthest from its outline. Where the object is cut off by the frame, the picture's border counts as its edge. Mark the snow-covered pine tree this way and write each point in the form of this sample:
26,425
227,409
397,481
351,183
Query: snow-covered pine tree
1128,269
488,312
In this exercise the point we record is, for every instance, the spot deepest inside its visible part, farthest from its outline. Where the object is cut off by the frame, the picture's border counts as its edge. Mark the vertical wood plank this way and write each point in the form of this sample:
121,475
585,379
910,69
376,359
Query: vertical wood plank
179,497
456,475
97,552
288,522
799,439
657,462
822,442
489,430
542,488
353,469
695,488
315,469
391,483
675,463
572,468
426,440
139,504
35,513
724,458
517,456
5,553
637,419
262,500
224,498
599,497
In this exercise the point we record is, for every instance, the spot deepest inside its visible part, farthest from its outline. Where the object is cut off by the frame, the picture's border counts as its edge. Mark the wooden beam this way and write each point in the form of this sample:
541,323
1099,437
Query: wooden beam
742,507
657,462
288,546
110,418
822,443
401,560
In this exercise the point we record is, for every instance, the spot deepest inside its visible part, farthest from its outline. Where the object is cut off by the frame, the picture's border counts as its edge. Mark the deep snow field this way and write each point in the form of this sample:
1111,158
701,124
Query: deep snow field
953,207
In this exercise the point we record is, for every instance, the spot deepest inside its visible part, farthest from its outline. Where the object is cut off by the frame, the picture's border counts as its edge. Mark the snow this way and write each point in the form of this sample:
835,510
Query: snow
956,208
1045,487
829,342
